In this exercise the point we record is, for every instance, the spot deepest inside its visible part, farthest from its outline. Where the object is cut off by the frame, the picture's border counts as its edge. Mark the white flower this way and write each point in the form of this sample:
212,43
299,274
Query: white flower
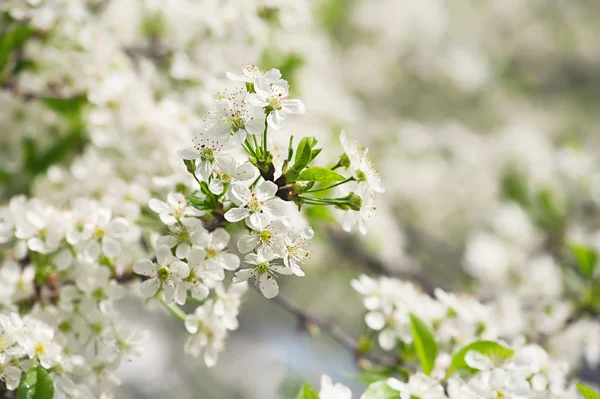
258,208
251,72
295,250
166,274
37,340
361,163
274,98
268,241
367,210
183,236
236,117
264,272
206,152
215,244
174,209
209,334
227,303
228,171
106,234
330,391
9,373
418,385
43,227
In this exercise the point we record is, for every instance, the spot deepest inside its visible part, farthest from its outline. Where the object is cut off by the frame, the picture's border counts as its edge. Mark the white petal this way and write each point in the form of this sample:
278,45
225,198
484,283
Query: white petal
257,221
295,107
169,241
150,287
268,286
182,250
180,293
163,255
282,270
111,247
220,239
204,170
239,194
159,206
145,267
275,119
245,172
168,219
275,208
199,291
236,214
117,226
266,190
255,126
169,292
210,356
188,154
196,256
375,320
180,269
247,243
242,275
216,186
230,261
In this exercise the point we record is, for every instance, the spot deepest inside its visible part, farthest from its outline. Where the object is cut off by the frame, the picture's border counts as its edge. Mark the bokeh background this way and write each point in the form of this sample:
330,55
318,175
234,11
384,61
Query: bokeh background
476,112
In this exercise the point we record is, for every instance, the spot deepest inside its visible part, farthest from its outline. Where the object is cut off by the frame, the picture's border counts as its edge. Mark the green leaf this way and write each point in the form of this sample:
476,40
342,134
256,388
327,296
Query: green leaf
305,153
36,384
13,40
425,344
306,392
199,203
379,390
586,258
383,373
68,108
587,393
488,348
320,174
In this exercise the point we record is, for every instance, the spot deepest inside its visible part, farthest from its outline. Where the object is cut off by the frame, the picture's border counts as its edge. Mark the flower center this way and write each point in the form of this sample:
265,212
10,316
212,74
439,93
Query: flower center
262,268
163,273
212,253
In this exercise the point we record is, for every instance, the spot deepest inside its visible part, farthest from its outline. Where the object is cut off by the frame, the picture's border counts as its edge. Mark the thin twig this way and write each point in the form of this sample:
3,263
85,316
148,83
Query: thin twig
306,320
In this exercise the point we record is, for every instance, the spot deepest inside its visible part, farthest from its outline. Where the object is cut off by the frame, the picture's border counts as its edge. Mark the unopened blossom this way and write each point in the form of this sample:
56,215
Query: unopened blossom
273,97
361,164
264,272
258,208
166,274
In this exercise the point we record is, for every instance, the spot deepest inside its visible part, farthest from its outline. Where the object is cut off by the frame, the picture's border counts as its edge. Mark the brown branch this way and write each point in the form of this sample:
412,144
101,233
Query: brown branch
307,320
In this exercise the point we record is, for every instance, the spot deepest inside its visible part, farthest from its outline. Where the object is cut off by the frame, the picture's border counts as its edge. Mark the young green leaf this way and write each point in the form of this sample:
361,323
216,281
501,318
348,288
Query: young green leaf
586,259
488,348
379,390
320,174
425,344
306,392
36,384
587,393
13,40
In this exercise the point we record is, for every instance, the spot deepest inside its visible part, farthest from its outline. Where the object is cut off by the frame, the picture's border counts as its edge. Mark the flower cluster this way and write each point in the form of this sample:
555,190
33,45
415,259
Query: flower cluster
64,273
